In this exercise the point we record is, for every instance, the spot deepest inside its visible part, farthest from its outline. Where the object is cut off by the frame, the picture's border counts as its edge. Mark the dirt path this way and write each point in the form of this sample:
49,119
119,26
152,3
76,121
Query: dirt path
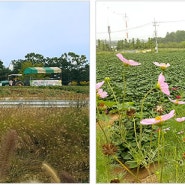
143,175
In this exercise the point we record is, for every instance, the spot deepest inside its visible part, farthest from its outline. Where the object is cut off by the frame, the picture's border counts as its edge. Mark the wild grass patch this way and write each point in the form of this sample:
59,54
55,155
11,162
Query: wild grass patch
26,92
56,136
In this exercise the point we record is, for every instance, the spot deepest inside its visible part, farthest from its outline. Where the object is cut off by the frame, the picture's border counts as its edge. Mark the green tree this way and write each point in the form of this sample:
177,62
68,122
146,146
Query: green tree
4,72
78,64
35,58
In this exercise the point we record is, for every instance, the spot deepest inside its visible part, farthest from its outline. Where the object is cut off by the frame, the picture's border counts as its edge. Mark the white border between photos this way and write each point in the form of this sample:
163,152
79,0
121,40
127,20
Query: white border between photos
92,94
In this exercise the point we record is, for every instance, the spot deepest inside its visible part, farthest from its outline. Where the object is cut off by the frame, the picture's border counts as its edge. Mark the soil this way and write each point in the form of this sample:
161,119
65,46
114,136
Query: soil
143,175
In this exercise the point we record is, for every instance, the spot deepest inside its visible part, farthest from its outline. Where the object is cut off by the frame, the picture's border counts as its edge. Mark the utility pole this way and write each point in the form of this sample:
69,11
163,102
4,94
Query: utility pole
155,33
125,22
109,36
126,26
109,32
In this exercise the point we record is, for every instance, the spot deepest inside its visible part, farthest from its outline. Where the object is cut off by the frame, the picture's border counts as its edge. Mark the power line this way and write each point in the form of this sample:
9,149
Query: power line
171,21
140,26
155,24
136,27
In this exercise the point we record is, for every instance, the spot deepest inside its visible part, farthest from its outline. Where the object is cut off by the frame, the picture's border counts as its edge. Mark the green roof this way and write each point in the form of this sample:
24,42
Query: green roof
37,70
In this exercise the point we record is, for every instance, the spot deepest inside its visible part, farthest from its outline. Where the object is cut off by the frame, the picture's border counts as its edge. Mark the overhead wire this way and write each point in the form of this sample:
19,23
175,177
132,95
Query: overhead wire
141,26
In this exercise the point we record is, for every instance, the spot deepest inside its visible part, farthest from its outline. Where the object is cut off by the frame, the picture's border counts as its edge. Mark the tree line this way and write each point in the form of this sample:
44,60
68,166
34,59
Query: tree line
171,40
74,67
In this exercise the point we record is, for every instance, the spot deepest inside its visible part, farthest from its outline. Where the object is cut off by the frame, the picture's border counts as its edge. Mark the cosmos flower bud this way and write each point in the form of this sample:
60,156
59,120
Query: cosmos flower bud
107,79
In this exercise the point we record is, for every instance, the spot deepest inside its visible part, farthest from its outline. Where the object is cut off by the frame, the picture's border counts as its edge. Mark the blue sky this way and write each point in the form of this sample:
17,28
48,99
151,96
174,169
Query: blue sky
45,27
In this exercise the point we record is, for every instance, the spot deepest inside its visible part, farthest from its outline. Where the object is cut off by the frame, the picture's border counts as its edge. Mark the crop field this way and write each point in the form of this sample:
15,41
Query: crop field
44,145
140,79
130,150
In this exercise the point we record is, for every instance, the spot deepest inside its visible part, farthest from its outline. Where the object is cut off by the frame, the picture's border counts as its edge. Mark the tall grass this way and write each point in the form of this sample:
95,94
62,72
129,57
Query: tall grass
56,136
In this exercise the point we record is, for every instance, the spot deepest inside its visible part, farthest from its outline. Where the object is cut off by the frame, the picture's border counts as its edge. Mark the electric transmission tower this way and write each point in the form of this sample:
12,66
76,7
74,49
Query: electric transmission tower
155,33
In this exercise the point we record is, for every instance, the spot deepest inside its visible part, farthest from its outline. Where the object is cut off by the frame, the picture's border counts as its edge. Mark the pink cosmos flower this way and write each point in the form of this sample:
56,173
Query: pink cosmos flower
180,119
158,119
176,101
98,85
101,93
127,62
162,85
162,65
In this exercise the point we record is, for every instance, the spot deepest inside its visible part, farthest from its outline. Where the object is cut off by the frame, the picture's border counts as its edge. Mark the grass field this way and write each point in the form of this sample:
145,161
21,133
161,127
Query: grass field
44,144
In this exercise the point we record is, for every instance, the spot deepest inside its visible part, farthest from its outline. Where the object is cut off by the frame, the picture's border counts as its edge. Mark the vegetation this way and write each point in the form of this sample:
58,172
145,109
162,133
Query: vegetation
44,145
74,67
50,144
44,93
171,40
133,96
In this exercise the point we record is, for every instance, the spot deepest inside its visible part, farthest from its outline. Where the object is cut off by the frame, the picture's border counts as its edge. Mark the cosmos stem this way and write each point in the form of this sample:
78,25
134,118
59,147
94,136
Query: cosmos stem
141,114
127,169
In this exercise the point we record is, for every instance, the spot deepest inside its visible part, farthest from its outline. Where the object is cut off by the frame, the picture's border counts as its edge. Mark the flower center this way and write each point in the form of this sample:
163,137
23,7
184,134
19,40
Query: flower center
163,67
158,118
176,101
158,86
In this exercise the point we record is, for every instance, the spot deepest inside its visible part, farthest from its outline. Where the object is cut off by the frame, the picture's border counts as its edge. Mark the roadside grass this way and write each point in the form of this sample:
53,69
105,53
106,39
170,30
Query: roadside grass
27,92
57,136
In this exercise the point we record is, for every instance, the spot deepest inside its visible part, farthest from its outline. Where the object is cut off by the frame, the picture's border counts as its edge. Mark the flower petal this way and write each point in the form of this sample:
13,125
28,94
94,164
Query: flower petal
98,85
102,94
158,119
127,62
161,78
161,65
149,121
180,119
163,85
177,101
168,116
133,63
165,88
120,56
156,63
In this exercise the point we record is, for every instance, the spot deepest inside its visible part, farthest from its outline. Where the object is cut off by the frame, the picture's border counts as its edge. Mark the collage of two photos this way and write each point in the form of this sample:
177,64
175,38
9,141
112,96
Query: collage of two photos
56,128
140,92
